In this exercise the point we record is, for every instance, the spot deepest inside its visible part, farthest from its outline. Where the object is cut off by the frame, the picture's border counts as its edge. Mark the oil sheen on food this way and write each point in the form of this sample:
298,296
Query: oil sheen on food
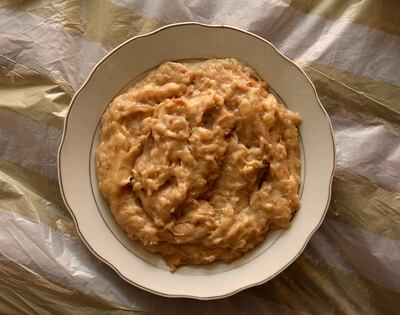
198,161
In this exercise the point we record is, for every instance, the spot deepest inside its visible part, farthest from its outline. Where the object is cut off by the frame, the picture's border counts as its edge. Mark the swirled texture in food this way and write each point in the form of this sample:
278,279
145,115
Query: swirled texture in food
198,161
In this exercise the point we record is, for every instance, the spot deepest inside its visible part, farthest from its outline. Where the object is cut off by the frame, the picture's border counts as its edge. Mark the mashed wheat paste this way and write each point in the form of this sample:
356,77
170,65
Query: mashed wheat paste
198,161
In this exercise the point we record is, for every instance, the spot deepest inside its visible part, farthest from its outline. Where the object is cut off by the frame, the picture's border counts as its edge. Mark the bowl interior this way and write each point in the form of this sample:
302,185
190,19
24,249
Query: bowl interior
155,259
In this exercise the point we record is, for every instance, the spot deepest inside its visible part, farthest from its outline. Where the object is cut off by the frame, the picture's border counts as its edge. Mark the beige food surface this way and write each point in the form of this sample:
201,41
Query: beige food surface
198,161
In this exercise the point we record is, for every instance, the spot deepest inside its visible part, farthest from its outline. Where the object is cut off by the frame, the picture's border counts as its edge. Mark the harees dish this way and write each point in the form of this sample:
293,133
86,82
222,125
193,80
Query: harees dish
198,161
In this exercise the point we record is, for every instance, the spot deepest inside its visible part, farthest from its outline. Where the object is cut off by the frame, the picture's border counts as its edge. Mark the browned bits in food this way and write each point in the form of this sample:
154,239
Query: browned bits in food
198,161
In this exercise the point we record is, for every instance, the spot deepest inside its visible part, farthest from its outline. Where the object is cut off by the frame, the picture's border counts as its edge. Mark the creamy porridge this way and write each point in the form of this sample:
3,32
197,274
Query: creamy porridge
198,161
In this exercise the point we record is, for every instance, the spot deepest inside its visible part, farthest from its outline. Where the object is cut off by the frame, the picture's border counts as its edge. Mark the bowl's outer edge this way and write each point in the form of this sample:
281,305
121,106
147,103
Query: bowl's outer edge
59,154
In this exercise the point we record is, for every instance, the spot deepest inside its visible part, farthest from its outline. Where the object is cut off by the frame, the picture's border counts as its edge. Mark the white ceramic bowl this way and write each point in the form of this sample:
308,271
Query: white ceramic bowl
95,224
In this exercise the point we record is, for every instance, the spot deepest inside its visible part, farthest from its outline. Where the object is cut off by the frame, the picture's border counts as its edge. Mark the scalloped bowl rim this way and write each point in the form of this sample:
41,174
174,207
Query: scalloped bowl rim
202,294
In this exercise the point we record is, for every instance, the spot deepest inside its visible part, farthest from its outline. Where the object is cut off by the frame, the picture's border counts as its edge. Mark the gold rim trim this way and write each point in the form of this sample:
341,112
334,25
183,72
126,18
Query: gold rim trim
110,264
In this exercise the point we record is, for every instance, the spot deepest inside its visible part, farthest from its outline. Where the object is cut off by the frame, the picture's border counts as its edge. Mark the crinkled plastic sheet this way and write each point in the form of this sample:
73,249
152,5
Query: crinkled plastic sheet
351,53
